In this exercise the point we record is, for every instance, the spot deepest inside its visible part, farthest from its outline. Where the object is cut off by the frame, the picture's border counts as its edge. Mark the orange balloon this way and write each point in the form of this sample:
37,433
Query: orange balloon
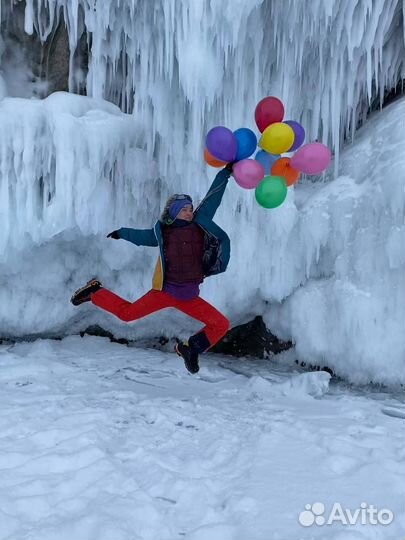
211,160
282,167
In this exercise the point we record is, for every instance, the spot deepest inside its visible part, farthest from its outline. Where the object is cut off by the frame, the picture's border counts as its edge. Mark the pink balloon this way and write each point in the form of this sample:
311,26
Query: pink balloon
312,158
248,173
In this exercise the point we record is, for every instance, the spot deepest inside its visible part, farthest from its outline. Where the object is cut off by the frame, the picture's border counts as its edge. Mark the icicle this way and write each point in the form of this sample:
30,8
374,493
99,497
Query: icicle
29,17
198,46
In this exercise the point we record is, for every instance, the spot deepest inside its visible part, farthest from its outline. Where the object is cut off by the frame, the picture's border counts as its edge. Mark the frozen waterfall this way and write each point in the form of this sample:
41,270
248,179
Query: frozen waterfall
329,264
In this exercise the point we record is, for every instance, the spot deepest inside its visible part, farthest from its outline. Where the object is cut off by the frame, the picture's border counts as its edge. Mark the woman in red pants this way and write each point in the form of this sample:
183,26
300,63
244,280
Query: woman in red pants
192,247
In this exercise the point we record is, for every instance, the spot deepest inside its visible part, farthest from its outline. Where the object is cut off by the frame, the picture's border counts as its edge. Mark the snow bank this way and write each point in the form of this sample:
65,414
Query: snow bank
314,384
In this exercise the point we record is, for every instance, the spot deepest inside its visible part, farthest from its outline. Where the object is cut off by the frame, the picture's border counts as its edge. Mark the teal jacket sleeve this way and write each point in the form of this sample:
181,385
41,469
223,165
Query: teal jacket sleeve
209,205
140,237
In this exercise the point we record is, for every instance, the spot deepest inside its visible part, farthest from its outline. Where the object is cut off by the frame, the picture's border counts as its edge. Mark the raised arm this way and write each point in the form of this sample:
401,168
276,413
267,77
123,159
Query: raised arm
213,198
140,237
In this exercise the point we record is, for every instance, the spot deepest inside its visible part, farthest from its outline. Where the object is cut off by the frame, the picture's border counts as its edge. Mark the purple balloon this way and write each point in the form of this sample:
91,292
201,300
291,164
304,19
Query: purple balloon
221,143
299,134
312,158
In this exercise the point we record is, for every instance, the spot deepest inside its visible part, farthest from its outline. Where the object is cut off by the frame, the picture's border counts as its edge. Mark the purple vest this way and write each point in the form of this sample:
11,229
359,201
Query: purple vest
183,251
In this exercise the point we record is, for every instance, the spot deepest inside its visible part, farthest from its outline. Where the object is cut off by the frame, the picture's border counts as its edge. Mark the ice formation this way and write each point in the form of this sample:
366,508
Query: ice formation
201,60
160,75
349,240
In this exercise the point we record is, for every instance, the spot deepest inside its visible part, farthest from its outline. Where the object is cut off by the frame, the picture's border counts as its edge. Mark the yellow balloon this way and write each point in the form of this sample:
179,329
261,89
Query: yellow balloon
277,138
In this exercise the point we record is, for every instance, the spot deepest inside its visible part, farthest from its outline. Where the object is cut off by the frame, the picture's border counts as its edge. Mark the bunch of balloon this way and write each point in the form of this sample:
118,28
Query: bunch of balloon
280,136
277,137
269,173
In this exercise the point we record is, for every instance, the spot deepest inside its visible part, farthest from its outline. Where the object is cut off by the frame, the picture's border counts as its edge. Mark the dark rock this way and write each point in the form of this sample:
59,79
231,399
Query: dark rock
314,367
96,330
47,63
55,66
251,339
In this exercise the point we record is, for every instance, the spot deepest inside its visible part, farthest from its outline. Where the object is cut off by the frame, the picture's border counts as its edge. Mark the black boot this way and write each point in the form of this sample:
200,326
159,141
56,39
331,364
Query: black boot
84,293
189,356
190,351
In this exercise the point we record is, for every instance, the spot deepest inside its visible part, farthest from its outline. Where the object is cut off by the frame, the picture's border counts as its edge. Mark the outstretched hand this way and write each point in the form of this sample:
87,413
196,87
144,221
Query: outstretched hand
229,166
114,234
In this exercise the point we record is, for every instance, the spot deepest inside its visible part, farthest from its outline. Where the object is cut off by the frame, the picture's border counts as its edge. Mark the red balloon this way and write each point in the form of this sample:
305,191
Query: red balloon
268,110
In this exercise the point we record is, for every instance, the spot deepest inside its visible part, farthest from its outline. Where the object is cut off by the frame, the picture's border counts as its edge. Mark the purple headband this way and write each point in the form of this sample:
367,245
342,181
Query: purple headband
178,205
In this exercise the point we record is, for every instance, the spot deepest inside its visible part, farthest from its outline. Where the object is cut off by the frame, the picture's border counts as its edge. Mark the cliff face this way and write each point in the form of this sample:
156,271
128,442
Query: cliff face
36,67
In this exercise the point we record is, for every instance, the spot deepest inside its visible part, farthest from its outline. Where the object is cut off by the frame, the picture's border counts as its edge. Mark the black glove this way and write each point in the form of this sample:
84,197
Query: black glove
114,234
229,166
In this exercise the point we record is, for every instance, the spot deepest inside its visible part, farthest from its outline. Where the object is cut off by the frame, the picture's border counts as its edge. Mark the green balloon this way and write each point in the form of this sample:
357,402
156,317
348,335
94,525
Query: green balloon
271,192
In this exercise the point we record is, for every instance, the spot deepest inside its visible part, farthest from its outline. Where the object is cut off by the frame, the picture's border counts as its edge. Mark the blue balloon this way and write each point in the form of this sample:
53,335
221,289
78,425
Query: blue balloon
246,141
266,160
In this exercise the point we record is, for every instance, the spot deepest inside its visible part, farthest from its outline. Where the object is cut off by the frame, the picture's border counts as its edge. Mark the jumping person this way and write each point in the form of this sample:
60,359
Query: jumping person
192,247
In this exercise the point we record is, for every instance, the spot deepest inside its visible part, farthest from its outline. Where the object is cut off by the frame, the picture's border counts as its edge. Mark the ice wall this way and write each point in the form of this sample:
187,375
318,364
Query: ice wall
347,306
65,164
325,269
73,168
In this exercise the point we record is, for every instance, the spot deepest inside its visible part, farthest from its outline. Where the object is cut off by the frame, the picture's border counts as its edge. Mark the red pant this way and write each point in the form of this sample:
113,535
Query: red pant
216,325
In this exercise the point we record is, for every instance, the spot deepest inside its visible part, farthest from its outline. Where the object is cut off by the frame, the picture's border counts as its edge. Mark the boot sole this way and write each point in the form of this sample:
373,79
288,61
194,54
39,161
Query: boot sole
92,283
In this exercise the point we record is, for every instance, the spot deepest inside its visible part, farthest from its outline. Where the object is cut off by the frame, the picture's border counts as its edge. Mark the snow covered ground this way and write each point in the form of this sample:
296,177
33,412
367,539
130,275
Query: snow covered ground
100,441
